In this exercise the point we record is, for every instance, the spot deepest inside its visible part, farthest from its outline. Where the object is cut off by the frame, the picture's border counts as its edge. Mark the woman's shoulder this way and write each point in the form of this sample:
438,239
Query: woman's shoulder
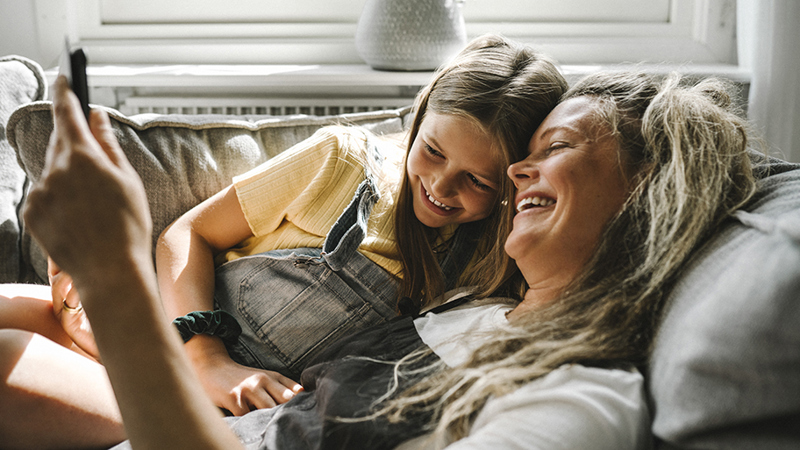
577,406
618,389
627,381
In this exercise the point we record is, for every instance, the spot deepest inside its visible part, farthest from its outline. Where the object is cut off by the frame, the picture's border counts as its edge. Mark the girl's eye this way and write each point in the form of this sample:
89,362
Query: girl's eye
433,152
478,184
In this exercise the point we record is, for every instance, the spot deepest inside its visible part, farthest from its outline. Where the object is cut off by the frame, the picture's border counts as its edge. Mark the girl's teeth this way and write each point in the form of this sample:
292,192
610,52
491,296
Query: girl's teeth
440,205
529,202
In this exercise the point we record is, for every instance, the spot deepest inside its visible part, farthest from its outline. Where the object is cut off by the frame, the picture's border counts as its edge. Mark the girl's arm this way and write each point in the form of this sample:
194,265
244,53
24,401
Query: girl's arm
186,249
89,212
286,187
185,260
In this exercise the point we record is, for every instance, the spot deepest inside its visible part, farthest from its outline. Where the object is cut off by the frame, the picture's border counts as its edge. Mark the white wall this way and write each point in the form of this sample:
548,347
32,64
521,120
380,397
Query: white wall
18,33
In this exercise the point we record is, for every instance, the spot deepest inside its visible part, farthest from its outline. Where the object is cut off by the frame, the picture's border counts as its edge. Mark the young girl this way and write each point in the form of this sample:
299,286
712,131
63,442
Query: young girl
300,273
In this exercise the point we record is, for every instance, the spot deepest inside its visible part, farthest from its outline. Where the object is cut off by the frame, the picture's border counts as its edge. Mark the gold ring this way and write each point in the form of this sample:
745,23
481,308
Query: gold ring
70,310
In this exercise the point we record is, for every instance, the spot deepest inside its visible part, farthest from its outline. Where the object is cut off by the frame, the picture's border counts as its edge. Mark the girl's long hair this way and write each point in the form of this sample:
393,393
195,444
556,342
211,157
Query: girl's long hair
686,146
506,90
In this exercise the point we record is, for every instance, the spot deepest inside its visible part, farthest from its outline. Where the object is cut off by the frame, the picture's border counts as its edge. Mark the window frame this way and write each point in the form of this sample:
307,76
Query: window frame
696,32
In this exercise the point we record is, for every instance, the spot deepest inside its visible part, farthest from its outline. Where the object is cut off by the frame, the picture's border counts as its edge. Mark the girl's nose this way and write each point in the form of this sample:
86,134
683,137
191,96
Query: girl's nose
443,187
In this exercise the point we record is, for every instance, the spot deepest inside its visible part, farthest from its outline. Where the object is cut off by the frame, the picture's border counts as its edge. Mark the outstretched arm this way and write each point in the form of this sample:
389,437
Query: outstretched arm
90,214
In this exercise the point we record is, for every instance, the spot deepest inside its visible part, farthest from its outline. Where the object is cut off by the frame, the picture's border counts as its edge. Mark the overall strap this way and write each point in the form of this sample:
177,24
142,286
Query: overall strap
451,304
460,251
350,228
408,309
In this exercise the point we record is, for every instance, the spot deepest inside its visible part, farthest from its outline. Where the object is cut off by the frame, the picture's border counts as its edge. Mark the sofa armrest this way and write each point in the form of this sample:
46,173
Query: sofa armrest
21,81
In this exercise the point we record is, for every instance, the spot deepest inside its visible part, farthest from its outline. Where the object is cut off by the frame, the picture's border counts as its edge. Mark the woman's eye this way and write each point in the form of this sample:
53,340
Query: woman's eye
433,152
555,146
478,183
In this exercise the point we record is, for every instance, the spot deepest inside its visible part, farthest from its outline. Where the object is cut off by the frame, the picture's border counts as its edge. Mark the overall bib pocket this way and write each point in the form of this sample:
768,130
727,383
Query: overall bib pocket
291,304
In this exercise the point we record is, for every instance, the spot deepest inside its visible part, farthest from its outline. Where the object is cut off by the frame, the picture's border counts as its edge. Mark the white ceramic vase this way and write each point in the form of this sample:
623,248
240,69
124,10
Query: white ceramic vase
410,34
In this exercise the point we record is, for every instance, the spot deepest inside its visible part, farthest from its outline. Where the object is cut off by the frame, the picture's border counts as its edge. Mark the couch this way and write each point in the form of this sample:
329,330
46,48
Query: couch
725,370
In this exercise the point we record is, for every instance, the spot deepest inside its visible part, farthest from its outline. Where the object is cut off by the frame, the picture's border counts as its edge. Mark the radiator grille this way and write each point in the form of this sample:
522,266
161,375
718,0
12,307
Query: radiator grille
257,106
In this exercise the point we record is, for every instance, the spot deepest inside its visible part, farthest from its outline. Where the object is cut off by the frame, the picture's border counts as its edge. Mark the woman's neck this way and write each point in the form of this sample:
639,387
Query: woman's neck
534,298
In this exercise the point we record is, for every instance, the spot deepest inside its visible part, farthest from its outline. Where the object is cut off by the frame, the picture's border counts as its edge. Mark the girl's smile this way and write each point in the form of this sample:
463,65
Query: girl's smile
436,206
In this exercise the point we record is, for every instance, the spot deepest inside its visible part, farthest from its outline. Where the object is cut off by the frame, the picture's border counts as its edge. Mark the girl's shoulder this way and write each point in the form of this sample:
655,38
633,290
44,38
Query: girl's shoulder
347,139
381,155
358,144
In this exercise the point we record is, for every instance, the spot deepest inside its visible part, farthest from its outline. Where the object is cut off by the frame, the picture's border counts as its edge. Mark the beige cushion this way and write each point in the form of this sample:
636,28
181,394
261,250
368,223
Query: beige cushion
21,81
185,159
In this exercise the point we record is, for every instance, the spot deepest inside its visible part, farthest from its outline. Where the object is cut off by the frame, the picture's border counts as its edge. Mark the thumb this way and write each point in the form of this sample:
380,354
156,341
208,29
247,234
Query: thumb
102,131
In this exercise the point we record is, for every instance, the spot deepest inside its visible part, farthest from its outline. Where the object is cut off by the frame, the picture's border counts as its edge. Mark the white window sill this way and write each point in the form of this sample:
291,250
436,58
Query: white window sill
331,75
146,88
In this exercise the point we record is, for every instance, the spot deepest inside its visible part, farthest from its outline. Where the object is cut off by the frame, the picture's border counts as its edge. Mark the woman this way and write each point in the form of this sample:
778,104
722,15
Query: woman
595,297
622,181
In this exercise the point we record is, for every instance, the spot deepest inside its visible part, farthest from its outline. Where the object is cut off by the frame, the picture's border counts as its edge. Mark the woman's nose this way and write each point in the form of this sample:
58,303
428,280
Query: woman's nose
523,170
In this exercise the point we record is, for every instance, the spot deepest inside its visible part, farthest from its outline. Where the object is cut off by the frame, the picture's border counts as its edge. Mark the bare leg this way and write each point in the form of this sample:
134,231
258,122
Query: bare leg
29,307
52,397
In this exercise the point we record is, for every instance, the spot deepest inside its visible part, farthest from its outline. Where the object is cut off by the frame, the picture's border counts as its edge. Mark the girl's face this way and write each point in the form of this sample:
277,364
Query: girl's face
568,188
453,171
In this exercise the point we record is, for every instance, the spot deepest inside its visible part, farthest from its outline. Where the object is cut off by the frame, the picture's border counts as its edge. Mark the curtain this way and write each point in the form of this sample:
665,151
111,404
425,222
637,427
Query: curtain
768,33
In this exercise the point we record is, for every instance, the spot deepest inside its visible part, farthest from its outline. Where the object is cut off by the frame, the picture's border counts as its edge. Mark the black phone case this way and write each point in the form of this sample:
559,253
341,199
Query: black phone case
80,85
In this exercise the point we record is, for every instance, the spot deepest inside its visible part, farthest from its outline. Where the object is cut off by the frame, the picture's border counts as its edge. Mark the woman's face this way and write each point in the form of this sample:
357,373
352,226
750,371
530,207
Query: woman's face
453,171
568,188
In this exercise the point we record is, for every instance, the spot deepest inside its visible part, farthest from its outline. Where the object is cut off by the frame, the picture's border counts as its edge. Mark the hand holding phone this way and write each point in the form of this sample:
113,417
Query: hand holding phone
73,66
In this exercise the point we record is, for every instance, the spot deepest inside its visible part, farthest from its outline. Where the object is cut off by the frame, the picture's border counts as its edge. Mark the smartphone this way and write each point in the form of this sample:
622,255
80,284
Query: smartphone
73,66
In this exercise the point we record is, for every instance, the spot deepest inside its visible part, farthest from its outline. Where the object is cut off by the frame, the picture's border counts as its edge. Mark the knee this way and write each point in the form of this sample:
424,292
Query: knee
12,345
13,341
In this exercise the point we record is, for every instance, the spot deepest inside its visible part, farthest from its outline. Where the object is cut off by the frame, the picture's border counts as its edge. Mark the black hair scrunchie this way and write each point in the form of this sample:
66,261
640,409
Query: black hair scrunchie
213,323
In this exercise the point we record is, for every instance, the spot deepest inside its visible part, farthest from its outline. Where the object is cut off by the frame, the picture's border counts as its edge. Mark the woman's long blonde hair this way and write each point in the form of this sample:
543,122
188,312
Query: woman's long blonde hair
686,148
506,90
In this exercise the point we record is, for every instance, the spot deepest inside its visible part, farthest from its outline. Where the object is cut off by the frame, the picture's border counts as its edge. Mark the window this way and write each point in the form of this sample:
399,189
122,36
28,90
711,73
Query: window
322,31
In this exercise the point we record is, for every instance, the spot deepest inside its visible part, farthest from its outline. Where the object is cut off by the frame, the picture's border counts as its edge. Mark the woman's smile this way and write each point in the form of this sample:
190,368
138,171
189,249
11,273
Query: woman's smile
536,201
570,185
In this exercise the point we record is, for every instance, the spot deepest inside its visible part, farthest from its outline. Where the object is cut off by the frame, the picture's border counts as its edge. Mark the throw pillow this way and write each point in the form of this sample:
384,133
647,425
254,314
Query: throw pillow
725,371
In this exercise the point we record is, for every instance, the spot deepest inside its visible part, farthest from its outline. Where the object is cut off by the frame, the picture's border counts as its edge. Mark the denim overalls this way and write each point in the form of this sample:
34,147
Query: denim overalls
343,382
291,304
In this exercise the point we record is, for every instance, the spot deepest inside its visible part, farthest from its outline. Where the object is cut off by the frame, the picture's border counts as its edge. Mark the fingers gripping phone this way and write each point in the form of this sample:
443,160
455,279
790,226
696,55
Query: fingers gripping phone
73,66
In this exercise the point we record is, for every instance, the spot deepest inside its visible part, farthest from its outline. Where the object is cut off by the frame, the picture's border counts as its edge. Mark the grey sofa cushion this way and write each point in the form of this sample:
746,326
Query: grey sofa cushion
725,371
21,81
184,159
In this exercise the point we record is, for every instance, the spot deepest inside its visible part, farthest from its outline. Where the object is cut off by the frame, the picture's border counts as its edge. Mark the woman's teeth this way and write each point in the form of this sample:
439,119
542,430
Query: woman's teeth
439,204
529,202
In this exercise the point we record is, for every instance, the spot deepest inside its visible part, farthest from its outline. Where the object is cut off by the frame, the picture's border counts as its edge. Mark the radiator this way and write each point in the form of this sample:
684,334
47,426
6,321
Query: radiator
258,106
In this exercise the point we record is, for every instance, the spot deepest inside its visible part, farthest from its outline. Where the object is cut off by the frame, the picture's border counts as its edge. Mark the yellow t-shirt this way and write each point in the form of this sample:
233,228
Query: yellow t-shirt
294,199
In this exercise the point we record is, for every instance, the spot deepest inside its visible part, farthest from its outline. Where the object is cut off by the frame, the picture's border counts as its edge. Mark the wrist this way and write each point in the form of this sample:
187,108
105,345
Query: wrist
123,273
205,351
